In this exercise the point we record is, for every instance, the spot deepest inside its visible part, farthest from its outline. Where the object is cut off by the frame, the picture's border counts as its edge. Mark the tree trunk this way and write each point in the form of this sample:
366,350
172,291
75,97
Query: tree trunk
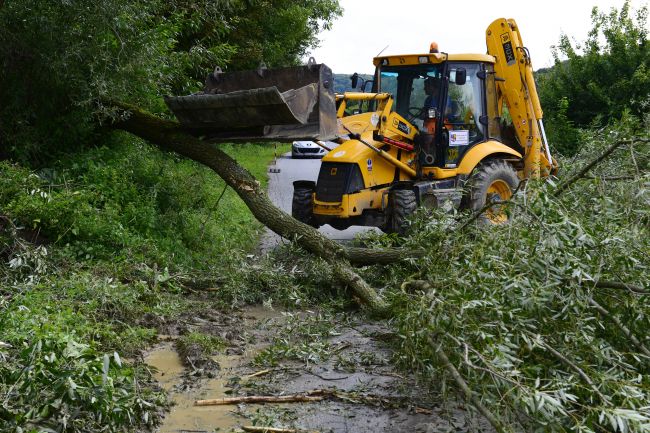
169,136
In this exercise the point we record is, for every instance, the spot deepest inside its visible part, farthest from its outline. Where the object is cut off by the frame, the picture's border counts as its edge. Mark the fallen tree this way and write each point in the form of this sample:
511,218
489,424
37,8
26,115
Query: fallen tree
462,354
169,136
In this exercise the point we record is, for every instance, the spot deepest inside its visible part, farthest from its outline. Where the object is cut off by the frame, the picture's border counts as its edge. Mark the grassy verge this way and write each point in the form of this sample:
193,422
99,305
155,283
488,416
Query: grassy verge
98,251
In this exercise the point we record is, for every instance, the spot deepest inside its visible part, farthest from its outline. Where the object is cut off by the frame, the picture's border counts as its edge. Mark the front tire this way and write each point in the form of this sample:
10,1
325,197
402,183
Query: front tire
302,205
495,180
402,204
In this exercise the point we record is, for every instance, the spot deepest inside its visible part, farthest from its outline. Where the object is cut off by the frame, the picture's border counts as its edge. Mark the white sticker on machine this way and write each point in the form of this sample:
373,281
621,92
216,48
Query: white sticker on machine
459,138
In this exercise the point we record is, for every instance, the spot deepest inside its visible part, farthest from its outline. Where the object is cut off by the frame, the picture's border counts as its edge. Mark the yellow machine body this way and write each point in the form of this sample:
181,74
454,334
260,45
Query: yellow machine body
382,144
432,132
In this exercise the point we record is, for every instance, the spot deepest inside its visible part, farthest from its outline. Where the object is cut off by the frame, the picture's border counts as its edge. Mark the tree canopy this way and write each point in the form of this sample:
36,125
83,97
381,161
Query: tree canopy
601,78
58,59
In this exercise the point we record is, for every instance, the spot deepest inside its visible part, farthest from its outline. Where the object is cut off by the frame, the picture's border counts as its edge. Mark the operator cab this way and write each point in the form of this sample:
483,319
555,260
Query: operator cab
451,102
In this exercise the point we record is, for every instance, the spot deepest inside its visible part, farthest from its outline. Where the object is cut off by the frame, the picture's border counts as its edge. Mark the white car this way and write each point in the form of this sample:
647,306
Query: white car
309,149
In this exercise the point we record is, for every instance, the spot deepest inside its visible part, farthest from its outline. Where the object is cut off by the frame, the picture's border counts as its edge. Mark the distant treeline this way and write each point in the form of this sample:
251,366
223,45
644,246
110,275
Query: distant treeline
343,83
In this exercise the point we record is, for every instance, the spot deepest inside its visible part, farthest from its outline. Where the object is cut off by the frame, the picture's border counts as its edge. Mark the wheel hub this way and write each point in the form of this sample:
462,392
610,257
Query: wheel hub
498,191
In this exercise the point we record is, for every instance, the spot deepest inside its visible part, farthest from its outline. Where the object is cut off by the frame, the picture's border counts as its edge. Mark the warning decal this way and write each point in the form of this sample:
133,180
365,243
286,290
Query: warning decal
507,49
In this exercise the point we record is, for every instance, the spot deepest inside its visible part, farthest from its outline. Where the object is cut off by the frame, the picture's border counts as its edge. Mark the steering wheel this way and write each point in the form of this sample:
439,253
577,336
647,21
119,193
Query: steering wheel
415,113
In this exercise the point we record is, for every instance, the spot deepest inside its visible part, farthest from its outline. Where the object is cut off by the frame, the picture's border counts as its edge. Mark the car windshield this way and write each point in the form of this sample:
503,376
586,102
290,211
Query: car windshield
407,85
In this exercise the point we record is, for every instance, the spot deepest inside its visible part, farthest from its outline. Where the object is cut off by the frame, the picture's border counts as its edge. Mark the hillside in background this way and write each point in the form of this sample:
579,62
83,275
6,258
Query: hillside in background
342,83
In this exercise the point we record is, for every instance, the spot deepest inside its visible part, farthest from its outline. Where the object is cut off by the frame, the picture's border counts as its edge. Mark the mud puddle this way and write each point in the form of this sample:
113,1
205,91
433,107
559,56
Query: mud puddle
173,376
283,354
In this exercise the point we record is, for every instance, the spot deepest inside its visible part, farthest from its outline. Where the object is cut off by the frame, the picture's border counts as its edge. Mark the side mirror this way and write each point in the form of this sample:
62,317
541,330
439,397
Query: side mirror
355,80
461,76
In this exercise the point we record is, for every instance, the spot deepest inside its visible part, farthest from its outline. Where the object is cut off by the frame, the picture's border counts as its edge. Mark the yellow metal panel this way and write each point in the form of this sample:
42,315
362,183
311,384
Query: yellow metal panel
470,57
374,169
350,151
351,204
396,125
331,209
367,199
357,123
414,59
482,150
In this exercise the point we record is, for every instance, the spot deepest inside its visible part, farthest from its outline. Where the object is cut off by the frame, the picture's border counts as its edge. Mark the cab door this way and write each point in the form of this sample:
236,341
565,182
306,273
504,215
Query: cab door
464,109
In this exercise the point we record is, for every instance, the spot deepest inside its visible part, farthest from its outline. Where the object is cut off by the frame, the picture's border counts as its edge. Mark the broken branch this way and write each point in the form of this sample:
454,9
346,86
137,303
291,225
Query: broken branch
621,286
309,396
620,326
168,135
293,398
575,368
386,256
258,429
565,185
471,396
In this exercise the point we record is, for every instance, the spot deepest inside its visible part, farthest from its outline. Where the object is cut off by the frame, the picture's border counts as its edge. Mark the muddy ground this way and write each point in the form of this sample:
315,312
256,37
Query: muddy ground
271,353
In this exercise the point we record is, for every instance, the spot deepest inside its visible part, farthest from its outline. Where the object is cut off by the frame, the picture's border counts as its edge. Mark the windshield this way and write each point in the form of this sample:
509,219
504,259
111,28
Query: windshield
413,87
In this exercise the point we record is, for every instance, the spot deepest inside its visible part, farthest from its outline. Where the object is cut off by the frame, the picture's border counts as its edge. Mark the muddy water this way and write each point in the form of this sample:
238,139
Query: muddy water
360,365
184,416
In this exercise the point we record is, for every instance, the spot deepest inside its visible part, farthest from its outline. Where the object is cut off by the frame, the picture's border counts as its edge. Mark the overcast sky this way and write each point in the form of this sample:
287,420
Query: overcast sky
408,26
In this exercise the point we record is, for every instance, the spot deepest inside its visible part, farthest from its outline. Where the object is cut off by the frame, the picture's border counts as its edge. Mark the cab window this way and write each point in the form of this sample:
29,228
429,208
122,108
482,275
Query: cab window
463,109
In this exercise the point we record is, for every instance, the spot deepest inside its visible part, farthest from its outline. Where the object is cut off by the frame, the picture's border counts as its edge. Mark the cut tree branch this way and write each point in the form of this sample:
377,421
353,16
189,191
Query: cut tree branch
577,369
293,398
624,329
168,135
581,173
259,429
314,395
621,286
385,256
469,395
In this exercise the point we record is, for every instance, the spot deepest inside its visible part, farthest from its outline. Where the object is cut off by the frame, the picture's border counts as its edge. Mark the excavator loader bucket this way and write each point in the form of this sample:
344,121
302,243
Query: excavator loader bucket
295,103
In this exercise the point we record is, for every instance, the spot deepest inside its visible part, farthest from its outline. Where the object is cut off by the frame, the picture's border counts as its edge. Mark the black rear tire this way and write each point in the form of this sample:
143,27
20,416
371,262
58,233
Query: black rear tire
402,204
302,205
494,180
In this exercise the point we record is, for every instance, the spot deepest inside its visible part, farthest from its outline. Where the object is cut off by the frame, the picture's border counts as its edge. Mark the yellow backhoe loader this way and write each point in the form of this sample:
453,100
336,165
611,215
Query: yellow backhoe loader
441,130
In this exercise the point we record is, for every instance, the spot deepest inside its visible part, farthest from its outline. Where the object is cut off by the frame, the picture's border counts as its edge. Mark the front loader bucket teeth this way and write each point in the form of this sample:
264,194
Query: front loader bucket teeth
296,103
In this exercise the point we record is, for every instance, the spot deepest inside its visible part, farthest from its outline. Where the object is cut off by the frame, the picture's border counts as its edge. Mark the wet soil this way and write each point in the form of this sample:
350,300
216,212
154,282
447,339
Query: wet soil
272,353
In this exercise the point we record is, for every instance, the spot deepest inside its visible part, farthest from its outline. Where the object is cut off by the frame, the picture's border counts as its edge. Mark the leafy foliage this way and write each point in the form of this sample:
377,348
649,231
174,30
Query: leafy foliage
524,312
600,79
47,383
96,252
130,201
54,76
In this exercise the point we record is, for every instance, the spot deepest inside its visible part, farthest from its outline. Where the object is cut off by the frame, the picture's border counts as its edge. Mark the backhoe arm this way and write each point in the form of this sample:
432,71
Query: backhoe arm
516,86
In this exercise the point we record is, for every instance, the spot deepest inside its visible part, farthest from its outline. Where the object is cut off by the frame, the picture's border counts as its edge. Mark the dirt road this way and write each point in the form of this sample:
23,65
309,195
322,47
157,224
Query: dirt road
271,353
